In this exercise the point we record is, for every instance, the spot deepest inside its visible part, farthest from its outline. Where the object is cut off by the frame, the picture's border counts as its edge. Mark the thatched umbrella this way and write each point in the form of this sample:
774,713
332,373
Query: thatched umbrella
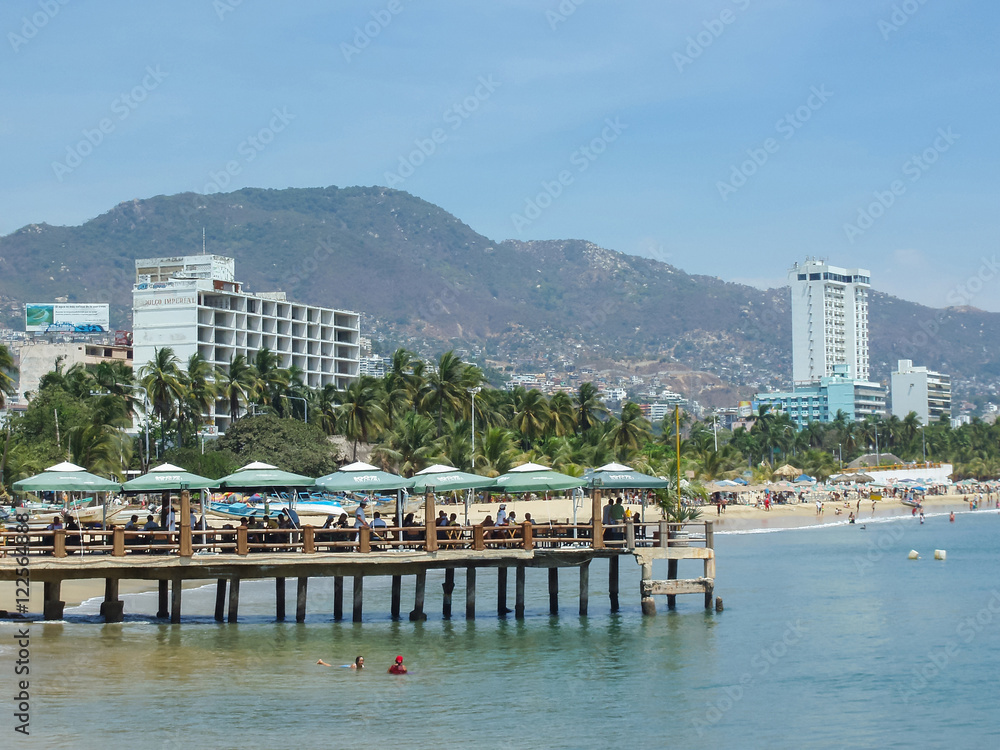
787,471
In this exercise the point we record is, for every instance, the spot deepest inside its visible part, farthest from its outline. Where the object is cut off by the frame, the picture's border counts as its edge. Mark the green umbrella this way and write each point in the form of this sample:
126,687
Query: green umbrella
169,477
259,474
447,479
66,477
362,477
535,477
620,477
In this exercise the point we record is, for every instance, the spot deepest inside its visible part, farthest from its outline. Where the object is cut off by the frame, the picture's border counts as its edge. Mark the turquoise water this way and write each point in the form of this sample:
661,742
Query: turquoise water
830,638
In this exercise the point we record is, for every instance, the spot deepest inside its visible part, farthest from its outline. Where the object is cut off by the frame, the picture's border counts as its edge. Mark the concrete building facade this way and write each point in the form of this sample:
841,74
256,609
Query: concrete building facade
821,401
829,320
36,358
920,390
195,304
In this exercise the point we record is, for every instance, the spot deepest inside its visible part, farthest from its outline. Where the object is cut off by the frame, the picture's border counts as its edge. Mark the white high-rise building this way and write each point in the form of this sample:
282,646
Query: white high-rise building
920,390
195,304
829,321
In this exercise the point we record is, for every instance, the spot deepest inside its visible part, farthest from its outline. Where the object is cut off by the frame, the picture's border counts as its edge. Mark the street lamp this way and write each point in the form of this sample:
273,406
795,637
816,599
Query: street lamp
305,406
715,431
474,391
923,440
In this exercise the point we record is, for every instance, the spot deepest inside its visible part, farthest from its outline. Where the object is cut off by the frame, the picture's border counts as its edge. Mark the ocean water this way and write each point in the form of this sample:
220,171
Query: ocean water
830,638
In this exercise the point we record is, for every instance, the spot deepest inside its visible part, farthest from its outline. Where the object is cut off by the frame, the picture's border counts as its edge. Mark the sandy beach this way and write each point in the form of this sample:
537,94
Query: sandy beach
560,510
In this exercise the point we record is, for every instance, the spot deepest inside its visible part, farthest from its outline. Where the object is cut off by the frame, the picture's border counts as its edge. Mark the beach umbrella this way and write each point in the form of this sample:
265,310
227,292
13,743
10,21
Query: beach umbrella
166,477
449,479
66,477
362,477
862,478
260,475
787,471
531,477
804,478
621,477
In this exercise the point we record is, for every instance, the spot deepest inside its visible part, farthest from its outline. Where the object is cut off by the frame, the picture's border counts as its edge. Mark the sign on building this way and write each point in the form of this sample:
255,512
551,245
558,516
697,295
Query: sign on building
57,317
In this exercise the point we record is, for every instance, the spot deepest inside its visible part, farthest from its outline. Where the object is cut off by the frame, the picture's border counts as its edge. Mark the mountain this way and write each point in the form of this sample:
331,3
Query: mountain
424,279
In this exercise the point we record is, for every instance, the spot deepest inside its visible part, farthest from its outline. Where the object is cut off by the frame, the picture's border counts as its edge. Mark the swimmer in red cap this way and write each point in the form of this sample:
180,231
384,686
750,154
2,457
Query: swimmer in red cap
397,667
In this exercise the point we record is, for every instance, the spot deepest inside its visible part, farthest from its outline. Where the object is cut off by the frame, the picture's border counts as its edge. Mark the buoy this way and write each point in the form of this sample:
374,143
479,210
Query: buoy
940,554
914,555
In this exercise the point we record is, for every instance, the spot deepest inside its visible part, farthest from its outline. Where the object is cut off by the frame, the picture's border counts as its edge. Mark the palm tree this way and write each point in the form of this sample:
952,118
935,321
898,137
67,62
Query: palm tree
411,446
628,434
7,372
324,402
532,415
446,387
236,383
562,415
589,406
495,452
198,392
161,377
272,380
360,413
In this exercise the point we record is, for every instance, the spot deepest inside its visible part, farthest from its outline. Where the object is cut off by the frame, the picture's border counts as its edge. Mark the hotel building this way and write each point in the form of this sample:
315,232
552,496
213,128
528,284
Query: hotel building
920,390
195,304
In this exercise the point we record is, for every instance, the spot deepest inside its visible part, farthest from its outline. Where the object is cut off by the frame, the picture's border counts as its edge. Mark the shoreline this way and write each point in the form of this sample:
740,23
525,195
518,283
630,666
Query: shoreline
737,519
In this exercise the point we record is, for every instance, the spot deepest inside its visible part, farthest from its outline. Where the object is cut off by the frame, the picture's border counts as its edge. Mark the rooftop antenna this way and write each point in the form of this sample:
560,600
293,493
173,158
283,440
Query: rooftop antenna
203,240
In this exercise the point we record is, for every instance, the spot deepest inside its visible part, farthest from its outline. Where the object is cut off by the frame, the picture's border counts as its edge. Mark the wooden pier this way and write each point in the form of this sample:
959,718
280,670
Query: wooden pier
232,555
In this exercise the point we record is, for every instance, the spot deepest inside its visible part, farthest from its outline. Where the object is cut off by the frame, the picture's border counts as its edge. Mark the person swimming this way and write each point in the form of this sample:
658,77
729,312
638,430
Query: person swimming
397,666
359,663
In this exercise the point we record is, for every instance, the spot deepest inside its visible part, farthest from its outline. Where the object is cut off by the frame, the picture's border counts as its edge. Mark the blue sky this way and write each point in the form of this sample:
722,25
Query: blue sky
728,137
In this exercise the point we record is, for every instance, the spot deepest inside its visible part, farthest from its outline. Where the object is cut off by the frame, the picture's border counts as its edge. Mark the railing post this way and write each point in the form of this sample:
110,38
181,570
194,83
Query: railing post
59,543
185,549
242,544
309,540
597,533
710,534
664,534
364,539
527,535
430,528
629,534
478,538
118,542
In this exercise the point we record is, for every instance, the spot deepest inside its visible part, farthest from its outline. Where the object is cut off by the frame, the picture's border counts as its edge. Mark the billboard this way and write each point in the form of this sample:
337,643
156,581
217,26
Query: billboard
47,317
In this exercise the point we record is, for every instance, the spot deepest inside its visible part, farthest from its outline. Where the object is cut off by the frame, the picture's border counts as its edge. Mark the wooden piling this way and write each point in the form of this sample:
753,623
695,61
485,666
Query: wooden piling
175,600
242,541
709,564
118,542
309,540
502,592
220,600
52,606
430,524
665,535
613,582
338,597
163,610
301,594
584,588
519,592
417,613
234,599
185,548
629,534
279,599
648,604
597,520
448,586
397,590
59,543
112,608
553,591
359,597
470,593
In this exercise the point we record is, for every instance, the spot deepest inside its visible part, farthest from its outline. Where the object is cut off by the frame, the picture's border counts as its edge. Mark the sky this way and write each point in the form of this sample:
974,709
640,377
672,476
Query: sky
726,137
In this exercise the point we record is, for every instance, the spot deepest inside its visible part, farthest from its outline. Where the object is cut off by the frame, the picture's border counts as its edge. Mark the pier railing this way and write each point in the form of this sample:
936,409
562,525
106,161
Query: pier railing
310,540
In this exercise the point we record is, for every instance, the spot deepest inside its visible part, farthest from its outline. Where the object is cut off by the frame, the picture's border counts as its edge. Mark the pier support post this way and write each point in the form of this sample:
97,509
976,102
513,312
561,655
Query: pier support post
470,593
502,592
417,614
671,564
397,590
359,597
279,599
301,593
234,599
175,600
519,592
162,610
112,608
220,600
449,587
613,582
553,591
52,606
584,588
338,597
648,604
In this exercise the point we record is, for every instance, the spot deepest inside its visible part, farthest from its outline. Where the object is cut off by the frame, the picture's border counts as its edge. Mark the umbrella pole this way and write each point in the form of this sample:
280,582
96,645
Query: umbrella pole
399,510
468,494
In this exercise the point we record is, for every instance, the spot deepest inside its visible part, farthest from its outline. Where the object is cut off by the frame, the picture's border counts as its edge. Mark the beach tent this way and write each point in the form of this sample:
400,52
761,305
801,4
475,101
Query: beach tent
444,478
362,477
258,475
804,478
167,477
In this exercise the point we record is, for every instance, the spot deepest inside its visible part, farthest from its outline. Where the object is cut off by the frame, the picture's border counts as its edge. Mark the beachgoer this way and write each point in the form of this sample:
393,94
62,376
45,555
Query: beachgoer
150,524
397,667
359,514
529,519
921,516
132,524
359,663
56,523
952,517
850,518
502,515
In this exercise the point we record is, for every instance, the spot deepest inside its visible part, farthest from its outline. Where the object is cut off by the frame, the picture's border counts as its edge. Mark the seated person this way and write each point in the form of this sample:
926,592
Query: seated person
56,524
132,524
378,527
